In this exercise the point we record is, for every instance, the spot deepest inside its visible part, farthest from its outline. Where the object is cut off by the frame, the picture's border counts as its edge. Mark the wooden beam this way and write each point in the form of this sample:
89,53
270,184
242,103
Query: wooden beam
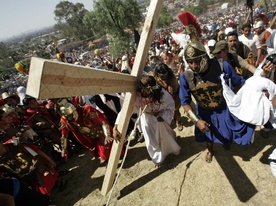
139,64
52,79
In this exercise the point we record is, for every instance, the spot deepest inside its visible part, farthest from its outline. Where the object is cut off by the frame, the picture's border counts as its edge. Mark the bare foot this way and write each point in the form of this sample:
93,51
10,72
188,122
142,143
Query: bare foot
209,157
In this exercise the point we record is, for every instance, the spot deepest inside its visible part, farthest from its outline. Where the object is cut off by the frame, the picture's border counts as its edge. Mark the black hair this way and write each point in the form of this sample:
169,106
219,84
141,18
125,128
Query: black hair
125,71
149,84
232,33
162,68
246,26
27,99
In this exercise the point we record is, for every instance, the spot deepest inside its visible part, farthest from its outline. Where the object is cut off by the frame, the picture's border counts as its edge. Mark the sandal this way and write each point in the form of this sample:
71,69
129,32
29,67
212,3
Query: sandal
158,165
209,157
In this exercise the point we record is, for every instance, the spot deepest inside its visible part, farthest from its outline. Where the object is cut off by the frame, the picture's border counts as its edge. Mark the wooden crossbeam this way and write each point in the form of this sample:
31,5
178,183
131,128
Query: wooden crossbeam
52,79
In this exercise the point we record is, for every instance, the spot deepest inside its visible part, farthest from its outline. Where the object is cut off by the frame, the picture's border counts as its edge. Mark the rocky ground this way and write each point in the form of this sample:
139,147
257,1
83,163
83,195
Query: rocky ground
240,176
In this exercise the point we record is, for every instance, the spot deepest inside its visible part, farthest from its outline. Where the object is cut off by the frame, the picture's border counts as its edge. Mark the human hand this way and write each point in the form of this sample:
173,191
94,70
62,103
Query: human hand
268,67
116,134
203,126
108,139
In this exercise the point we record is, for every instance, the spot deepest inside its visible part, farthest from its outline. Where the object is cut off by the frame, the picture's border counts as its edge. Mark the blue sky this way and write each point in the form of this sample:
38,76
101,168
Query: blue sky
19,16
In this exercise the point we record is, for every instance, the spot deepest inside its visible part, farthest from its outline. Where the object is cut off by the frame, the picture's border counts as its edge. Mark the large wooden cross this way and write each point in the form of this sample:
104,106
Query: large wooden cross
52,79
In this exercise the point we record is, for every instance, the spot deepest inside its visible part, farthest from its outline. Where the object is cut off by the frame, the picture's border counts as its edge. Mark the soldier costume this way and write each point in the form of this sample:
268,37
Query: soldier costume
214,122
89,126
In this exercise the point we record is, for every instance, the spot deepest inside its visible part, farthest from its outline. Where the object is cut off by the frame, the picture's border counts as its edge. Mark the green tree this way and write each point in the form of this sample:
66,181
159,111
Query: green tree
69,19
117,18
93,25
164,18
6,58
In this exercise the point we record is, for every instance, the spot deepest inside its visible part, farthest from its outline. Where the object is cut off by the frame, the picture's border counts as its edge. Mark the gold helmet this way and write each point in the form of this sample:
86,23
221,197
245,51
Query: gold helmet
69,109
195,48
8,109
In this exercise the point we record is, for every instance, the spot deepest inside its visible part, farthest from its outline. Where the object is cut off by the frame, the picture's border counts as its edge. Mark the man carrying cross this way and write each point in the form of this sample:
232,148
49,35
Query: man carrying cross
50,79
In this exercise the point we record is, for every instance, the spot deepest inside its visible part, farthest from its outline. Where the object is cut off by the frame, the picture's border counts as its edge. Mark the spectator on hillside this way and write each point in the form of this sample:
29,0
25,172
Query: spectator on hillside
249,39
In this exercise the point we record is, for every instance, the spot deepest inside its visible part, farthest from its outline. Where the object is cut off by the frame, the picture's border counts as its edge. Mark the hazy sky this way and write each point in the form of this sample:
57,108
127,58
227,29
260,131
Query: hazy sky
19,16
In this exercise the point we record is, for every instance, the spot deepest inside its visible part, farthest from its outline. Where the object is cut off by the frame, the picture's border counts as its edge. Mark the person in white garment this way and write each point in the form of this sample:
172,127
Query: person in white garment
249,39
160,139
255,102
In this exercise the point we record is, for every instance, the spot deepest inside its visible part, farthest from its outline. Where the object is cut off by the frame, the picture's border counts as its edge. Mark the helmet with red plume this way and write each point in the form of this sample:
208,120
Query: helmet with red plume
264,18
194,49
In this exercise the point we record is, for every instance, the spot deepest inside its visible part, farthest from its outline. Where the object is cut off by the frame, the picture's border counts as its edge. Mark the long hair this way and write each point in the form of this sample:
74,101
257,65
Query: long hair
149,84
162,68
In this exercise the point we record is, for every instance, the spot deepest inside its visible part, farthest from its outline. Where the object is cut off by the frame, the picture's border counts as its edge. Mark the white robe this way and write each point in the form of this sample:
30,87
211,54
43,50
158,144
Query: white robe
250,104
160,139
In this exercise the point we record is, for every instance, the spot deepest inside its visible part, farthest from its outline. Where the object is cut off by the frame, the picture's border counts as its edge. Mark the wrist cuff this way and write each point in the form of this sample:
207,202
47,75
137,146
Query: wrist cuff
192,116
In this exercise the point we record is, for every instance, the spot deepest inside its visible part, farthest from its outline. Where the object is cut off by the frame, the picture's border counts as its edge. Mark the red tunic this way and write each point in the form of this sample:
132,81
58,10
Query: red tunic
87,129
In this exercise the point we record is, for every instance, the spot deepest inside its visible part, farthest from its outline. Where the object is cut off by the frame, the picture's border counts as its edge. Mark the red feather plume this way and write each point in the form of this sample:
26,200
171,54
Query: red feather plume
264,18
188,18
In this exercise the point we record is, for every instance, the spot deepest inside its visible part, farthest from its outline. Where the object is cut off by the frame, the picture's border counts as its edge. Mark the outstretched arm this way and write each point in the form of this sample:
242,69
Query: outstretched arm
201,124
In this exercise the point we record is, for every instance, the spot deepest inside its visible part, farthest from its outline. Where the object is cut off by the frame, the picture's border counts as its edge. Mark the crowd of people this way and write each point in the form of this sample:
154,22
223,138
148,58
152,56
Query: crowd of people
205,74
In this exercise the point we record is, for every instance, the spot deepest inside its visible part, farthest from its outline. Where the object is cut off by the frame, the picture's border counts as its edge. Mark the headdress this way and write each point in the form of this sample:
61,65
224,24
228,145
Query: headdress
8,109
194,49
67,108
6,95
264,18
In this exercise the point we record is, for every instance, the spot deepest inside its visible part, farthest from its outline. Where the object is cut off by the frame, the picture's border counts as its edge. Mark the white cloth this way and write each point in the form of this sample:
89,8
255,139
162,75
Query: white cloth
21,92
125,64
250,104
29,134
272,39
228,30
87,100
160,139
110,103
251,42
272,156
